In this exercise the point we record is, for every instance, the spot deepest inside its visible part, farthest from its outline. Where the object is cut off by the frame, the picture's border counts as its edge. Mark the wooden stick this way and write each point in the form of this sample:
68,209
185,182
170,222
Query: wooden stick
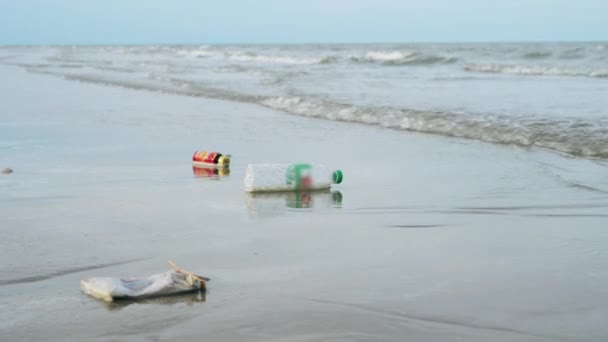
181,270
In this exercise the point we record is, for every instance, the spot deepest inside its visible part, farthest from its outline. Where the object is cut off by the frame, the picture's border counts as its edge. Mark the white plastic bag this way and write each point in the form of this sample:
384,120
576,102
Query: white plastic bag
163,284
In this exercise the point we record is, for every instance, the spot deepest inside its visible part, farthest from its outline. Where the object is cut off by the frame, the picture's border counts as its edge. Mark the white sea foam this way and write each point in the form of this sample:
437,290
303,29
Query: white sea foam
534,70
386,56
575,136
401,58
250,57
199,53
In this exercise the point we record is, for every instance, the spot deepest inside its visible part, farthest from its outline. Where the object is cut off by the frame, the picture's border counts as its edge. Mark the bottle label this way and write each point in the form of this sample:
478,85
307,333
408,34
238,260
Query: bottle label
210,158
207,157
198,156
299,176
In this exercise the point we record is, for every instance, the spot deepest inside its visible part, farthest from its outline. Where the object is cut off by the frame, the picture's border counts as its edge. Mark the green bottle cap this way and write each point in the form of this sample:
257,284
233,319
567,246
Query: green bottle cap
337,176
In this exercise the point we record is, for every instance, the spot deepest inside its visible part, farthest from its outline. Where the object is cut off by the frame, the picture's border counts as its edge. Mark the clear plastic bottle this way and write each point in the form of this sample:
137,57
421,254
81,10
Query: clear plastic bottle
289,177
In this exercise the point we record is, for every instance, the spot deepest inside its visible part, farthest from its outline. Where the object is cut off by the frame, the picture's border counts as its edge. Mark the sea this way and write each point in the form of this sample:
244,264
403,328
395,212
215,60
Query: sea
549,96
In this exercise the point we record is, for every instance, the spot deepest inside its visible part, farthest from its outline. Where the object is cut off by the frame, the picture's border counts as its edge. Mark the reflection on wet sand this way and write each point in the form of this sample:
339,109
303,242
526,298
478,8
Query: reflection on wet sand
210,172
277,203
189,299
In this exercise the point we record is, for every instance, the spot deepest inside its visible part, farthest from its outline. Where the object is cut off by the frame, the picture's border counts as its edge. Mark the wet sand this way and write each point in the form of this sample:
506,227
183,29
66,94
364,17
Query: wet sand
430,238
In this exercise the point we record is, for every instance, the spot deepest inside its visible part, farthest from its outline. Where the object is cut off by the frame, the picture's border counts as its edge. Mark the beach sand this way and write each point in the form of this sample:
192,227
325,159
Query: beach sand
433,239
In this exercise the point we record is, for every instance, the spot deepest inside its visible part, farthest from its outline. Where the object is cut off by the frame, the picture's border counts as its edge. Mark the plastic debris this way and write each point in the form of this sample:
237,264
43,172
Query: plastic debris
290,177
169,283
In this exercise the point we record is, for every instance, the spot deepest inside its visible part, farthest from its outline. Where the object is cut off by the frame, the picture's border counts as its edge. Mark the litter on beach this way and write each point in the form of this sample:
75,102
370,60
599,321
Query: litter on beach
290,177
169,283
215,159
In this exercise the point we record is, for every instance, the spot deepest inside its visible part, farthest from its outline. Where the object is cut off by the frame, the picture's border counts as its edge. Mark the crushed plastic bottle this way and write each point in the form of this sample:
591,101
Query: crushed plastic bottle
169,283
289,177
202,158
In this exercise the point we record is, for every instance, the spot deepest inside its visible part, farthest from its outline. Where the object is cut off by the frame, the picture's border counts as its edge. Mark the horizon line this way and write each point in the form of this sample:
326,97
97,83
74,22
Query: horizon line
308,43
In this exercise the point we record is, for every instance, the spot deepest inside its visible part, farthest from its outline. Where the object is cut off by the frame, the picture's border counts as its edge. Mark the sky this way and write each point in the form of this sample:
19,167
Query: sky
310,21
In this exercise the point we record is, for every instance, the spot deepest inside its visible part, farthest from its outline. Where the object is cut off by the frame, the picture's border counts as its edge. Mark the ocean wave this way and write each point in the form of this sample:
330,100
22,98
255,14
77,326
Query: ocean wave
385,56
575,136
268,75
537,54
238,55
328,60
199,53
573,53
401,58
238,68
156,83
534,70
278,59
